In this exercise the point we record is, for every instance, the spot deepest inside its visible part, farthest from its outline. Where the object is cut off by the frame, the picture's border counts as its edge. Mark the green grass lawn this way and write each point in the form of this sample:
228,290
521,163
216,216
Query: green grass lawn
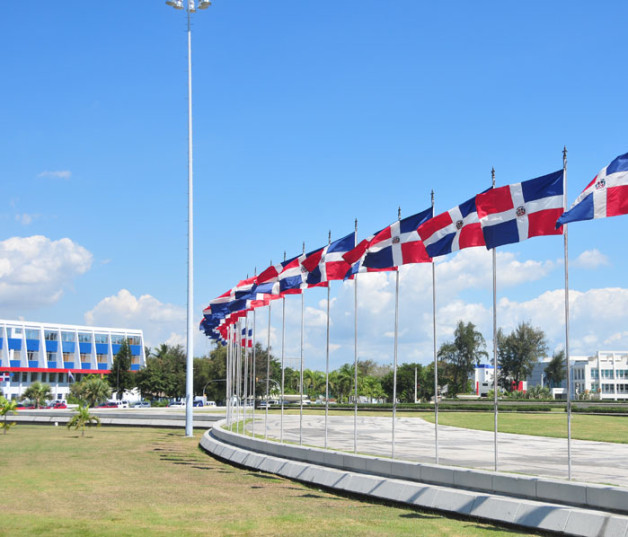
583,427
144,482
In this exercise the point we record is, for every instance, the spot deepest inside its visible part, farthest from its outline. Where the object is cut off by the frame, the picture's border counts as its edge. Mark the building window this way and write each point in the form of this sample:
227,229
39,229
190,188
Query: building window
86,357
101,338
67,336
24,376
31,355
32,334
101,358
84,338
34,377
53,377
67,356
117,339
44,377
49,335
134,340
51,356
594,374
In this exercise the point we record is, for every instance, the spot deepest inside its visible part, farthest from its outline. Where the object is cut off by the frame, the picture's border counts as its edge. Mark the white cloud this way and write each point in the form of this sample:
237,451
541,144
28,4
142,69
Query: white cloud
161,323
590,259
25,219
59,174
35,271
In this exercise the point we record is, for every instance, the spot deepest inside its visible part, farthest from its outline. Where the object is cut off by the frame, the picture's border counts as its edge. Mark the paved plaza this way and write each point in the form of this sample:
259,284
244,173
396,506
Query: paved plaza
594,462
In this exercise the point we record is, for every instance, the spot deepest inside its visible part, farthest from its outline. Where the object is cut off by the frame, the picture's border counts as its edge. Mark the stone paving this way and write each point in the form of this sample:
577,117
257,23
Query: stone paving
595,462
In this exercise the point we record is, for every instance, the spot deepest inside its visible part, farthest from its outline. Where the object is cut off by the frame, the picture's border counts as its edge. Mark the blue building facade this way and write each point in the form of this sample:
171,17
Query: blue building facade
58,354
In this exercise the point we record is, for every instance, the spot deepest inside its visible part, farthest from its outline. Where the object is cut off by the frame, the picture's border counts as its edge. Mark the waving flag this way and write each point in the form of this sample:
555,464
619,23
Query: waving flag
327,263
606,195
519,211
453,230
398,244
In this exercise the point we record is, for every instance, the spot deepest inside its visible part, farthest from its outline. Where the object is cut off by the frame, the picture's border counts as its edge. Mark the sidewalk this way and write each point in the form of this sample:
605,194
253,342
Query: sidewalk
593,462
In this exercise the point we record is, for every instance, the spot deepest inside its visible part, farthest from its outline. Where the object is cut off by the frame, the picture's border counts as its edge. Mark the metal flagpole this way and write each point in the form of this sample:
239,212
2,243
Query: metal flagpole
327,353
435,354
301,374
394,402
237,374
253,383
245,383
267,375
567,359
283,349
228,375
355,350
495,392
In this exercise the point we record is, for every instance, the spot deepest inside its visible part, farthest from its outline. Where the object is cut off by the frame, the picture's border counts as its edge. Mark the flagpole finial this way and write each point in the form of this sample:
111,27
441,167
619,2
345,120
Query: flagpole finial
399,213
329,237
356,225
255,271
303,246
432,197
493,176
564,155
284,255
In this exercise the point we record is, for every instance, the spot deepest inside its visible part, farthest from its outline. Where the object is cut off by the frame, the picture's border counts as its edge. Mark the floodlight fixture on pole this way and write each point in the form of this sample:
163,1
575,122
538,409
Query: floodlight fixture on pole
189,378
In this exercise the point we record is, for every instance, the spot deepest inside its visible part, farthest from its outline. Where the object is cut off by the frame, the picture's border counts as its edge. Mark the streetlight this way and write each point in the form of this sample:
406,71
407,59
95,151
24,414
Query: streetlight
189,381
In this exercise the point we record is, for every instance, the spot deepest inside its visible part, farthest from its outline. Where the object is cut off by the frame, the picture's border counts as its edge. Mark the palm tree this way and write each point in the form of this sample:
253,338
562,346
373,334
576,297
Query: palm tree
7,407
92,389
83,418
38,393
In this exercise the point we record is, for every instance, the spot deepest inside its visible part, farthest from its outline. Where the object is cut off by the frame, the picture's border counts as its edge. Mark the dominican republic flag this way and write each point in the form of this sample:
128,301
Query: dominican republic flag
244,287
519,211
247,342
453,230
606,195
293,278
5,376
398,244
327,263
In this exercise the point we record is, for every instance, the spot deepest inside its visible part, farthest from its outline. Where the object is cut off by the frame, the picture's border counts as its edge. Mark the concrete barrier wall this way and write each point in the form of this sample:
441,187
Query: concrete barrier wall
592,496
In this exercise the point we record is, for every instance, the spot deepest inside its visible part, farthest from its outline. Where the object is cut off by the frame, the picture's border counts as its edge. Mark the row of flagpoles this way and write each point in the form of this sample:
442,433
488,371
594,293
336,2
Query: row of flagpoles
495,217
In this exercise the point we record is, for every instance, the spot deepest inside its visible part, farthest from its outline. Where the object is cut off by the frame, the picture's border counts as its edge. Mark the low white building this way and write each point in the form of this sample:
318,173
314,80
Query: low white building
58,354
603,376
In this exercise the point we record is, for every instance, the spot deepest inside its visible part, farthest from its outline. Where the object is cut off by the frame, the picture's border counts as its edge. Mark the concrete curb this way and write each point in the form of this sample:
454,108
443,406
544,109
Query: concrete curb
531,502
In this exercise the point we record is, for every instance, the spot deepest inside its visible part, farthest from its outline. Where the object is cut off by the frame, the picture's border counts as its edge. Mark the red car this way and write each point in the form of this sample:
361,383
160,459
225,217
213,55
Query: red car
59,405
107,405
25,406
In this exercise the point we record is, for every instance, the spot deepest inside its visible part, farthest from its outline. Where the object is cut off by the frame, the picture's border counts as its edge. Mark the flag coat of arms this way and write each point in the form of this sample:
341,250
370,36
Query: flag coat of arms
519,211
398,244
453,230
606,195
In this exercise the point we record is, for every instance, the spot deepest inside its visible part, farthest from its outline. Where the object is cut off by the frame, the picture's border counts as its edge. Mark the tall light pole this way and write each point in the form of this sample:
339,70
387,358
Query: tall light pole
189,378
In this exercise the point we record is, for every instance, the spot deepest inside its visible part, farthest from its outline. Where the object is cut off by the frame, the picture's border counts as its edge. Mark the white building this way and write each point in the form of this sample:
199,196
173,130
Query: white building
56,354
603,376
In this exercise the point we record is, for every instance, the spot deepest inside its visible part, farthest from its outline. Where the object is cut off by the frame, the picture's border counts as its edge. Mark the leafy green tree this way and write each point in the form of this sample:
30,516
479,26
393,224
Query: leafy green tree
405,383
462,355
7,407
517,353
164,374
341,382
91,390
555,370
38,393
83,418
121,378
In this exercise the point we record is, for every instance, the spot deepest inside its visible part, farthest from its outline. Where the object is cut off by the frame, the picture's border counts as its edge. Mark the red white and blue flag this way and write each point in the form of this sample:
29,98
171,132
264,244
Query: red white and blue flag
606,195
520,211
398,244
4,376
327,263
453,230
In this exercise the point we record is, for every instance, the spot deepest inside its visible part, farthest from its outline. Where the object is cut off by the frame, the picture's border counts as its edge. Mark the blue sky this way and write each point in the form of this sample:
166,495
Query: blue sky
307,115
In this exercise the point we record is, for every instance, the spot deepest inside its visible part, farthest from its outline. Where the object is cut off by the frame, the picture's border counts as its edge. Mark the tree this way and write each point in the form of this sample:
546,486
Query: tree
341,381
83,418
164,374
7,407
92,390
38,393
405,383
121,378
518,352
462,355
555,370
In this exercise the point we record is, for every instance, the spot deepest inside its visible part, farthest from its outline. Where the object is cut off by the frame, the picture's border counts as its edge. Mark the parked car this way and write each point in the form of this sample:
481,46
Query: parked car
59,405
141,404
108,404
177,404
25,406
